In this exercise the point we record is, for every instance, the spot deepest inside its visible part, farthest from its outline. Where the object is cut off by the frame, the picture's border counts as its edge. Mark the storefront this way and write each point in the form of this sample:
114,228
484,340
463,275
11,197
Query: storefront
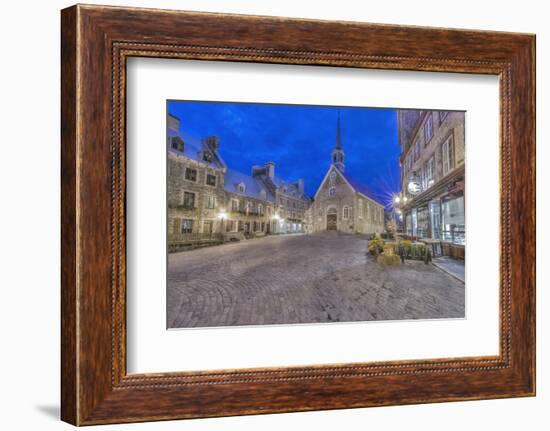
438,217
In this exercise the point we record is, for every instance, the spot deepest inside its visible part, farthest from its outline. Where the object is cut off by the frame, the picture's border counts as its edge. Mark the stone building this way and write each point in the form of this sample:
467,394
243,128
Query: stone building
432,178
341,203
207,199
249,204
290,201
195,183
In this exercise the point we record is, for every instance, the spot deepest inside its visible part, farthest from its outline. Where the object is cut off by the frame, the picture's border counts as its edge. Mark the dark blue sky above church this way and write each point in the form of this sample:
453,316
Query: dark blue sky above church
300,139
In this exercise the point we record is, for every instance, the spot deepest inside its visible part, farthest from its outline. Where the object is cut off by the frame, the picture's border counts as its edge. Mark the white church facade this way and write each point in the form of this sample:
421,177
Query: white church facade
342,204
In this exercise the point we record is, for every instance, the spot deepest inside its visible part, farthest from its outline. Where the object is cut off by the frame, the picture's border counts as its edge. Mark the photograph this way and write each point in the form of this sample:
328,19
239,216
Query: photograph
282,214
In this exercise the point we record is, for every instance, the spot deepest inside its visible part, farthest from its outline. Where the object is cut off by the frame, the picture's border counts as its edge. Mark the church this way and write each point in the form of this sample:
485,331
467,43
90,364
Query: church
342,204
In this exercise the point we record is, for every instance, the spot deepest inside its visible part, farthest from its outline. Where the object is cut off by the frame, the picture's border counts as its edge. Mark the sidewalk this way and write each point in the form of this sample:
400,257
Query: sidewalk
451,266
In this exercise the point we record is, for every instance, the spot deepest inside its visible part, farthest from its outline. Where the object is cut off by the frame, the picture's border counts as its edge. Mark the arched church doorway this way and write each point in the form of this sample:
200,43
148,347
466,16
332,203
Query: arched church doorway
332,219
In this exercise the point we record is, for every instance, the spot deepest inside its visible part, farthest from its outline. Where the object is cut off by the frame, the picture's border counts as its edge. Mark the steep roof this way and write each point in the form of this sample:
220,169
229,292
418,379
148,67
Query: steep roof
253,187
359,187
355,185
193,148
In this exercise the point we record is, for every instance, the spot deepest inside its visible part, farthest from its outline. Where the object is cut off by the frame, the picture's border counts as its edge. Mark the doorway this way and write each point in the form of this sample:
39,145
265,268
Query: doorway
332,220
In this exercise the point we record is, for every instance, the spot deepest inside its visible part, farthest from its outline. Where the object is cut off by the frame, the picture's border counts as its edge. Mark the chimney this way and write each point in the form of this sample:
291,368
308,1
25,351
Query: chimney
258,170
300,184
173,122
270,169
212,142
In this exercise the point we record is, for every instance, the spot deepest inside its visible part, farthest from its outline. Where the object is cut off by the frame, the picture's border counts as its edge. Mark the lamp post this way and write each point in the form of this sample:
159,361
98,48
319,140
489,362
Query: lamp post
222,215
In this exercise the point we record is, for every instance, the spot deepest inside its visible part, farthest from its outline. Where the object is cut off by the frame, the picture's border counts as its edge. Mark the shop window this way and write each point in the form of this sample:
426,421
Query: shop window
452,221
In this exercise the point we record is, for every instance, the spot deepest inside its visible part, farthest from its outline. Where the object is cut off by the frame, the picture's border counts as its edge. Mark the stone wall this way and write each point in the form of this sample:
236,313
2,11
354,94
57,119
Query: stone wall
177,184
451,125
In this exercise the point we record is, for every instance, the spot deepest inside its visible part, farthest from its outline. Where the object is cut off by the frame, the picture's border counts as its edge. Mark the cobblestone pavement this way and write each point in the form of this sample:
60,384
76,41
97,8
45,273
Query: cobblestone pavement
303,279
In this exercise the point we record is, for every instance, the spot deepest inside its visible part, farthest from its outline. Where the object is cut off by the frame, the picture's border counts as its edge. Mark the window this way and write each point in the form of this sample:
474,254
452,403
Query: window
207,226
345,214
211,202
429,172
241,188
269,211
177,144
332,178
447,155
188,200
191,174
453,221
360,204
234,205
416,149
263,194
260,209
320,212
254,226
186,226
211,180
247,207
332,191
442,115
428,129
207,156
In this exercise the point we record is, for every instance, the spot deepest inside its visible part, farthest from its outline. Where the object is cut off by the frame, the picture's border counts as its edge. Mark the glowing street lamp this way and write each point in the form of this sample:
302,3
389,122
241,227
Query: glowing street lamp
397,199
222,215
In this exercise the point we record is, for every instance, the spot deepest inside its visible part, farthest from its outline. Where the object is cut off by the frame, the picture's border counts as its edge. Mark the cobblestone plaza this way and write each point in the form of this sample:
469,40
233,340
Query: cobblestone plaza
317,278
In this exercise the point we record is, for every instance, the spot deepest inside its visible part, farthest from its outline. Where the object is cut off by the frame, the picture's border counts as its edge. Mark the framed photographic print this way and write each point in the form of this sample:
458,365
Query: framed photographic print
268,215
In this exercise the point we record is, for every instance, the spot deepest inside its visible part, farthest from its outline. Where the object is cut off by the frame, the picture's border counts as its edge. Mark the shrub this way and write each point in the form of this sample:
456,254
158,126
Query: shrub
389,260
388,257
376,246
418,251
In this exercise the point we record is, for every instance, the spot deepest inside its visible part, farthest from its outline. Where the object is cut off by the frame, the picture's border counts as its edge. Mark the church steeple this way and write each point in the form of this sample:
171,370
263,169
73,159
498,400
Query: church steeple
338,153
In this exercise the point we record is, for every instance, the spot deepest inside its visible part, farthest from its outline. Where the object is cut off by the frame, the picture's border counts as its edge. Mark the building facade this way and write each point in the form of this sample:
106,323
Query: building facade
206,198
432,178
342,204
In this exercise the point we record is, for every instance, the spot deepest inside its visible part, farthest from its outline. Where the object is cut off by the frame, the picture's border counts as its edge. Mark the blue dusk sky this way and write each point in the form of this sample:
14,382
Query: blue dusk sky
300,139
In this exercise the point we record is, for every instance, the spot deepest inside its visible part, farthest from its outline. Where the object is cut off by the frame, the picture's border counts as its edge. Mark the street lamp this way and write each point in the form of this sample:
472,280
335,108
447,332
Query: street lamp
397,199
222,215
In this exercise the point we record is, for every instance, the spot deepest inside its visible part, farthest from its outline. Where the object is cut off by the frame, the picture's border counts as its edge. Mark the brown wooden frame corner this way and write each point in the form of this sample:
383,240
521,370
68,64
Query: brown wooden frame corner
95,43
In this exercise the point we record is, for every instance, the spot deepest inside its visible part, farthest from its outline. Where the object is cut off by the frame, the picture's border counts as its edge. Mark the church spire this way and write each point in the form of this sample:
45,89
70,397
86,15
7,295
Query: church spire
338,153
338,134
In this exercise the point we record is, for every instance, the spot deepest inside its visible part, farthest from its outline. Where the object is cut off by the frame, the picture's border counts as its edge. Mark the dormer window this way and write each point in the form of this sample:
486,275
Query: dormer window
241,188
207,156
263,194
177,144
